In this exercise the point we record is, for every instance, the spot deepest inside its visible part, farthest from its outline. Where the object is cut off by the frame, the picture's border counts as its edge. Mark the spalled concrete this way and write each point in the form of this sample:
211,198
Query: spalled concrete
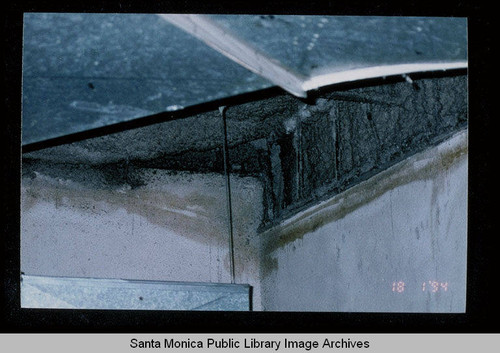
301,152
394,243
150,203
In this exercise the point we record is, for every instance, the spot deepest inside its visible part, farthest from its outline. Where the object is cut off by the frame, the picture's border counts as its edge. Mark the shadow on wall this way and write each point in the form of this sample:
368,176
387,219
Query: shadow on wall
151,204
393,243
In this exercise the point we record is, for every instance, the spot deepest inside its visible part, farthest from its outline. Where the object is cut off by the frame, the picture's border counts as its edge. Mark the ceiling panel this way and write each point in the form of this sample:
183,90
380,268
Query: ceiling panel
82,71
85,71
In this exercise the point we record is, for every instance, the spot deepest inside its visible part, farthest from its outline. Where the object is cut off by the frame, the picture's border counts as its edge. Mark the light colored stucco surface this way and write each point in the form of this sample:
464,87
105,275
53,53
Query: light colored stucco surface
406,224
352,253
173,228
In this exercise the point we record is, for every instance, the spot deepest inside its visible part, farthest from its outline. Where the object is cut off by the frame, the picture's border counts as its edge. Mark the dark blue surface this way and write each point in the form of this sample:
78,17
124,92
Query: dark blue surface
319,44
83,71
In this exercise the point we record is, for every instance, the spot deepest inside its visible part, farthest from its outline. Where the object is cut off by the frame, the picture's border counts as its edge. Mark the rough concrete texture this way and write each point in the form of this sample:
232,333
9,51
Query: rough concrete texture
172,228
393,243
350,135
150,203
301,152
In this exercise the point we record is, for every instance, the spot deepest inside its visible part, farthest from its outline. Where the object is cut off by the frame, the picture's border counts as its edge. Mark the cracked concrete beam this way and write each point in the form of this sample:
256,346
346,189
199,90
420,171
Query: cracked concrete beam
301,152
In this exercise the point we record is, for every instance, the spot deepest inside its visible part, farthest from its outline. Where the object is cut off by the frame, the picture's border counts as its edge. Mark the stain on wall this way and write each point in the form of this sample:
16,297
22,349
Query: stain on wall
301,151
171,228
133,204
394,243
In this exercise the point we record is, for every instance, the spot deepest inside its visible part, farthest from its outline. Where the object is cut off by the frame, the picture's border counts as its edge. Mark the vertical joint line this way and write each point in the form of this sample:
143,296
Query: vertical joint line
222,111
337,143
299,176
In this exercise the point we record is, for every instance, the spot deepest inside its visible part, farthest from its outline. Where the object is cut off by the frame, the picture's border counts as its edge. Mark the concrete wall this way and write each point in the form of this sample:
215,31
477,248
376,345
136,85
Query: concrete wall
329,199
394,243
348,253
301,152
172,228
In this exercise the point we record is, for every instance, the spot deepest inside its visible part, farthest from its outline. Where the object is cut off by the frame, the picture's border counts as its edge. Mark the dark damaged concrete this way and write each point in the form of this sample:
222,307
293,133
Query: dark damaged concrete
396,242
301,151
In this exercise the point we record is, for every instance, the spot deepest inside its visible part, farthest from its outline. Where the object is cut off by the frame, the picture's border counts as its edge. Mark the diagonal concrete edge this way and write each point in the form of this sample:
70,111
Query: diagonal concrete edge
239,51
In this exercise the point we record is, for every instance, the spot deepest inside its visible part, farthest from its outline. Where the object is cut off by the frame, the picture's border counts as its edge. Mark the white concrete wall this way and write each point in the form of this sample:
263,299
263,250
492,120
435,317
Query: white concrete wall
407,225
174,228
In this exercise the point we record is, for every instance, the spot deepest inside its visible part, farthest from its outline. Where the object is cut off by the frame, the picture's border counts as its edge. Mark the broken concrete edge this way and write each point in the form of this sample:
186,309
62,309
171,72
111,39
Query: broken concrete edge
420,166
324,82
196,110
327,192
437,109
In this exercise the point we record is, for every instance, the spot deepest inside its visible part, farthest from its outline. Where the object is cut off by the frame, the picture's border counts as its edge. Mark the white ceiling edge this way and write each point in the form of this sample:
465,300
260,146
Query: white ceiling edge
239,51
365,73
